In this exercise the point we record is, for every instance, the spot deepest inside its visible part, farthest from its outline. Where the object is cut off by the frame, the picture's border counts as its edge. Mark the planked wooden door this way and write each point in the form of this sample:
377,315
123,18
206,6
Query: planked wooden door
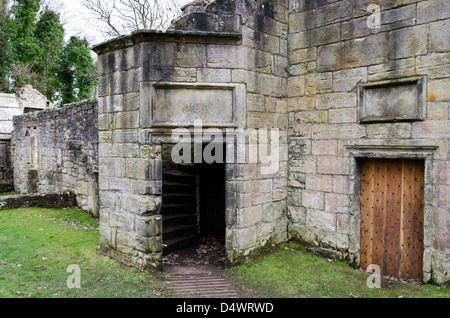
392,216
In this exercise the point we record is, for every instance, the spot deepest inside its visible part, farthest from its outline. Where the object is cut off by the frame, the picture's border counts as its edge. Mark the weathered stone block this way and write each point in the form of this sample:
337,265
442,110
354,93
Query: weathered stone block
318,83
248,217
232,57
439,90
334,12
298,149
157,54
296,214
342,115
347,80
434,129
296,86
389,130
408,42
214,75
140,204
250,78
330,165
127,120
319,182
296,179
191,55
324,147
355,28
337,203
301,103
392,69
303,55
125,136
321,220
313,199
273,85
324,35
440,36
312,117
432,10
330,57
297,41
373,49
336,100
301,21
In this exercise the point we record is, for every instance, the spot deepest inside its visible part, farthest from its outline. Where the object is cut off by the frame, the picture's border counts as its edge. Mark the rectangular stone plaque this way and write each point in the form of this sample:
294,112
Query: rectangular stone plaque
181,104
391,101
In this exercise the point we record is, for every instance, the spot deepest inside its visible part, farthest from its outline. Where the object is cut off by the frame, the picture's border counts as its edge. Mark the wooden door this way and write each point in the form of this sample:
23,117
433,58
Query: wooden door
392,215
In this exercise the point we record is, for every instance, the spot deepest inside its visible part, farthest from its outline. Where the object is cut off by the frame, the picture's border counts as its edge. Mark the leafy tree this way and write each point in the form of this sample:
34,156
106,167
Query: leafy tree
33,52
50,35
25,46
77,71
5,52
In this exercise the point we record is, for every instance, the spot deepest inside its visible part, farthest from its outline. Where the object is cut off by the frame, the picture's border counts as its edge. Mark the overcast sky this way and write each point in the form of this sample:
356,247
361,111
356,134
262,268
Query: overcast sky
79,24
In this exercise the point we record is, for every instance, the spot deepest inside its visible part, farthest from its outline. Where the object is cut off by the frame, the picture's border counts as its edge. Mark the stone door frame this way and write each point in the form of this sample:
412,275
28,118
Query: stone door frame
426,153
160,137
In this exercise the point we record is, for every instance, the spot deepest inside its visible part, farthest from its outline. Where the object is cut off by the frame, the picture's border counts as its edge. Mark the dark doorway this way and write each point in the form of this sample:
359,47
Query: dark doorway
212,199
193,211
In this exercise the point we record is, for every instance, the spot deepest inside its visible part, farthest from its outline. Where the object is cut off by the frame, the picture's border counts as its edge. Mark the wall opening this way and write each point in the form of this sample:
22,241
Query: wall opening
392,216
193,211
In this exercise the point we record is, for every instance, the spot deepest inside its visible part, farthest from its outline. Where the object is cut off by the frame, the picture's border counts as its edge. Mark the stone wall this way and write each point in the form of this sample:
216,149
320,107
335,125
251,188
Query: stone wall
9,107
341,80
333,53
224,63
25,99
57,150
6,170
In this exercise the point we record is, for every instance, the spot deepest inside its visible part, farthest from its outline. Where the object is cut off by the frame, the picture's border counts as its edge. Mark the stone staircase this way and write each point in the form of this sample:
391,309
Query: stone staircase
206,281
179,208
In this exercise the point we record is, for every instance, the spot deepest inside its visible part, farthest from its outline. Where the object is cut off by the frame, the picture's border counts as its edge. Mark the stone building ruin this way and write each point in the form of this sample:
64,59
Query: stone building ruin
25,100
358,90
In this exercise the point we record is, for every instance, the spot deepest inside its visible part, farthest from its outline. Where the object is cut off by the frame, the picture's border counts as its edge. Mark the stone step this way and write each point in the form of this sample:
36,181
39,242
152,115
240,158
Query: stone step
179,219
178,198
169,209
179,177
187,167
211,286
175,187
179,231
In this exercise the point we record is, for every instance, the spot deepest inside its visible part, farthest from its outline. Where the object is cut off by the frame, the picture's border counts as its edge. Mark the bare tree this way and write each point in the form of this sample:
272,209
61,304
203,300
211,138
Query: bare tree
59,7
119,17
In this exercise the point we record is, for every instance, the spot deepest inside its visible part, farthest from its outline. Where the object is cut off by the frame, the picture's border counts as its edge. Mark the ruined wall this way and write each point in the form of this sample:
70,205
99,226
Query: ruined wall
334,47
57,150
231,57
26,98
6,170
8,108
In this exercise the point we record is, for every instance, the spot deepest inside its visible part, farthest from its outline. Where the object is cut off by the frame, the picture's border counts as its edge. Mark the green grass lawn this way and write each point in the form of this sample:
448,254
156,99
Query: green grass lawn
37,246
291,272
4,194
